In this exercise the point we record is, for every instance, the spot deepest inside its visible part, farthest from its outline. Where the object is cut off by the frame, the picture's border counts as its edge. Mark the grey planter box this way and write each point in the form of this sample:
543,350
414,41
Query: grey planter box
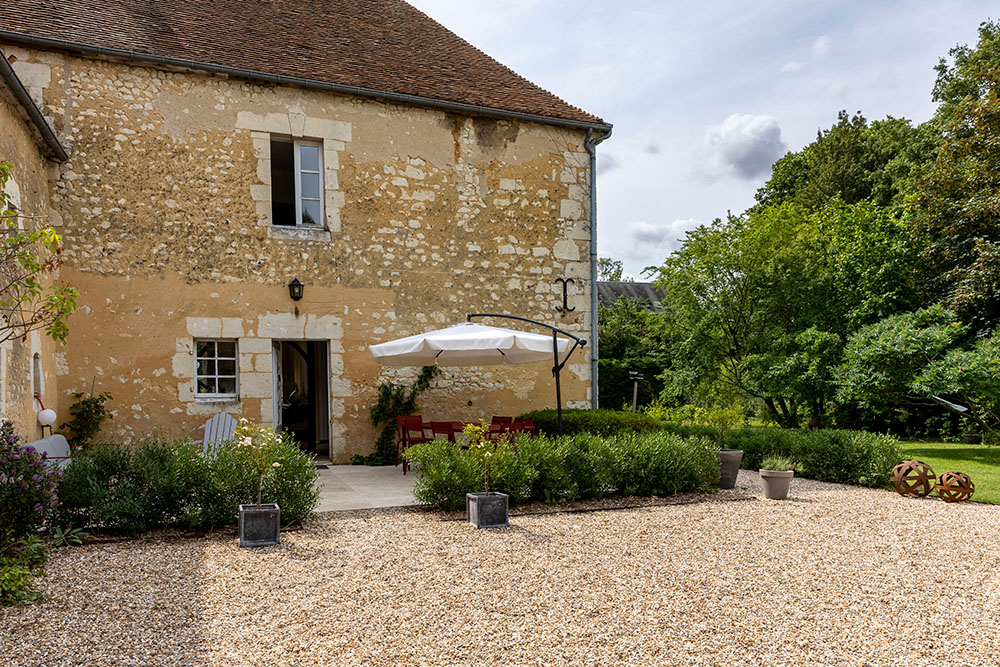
729,467
260,525
776,483
487,510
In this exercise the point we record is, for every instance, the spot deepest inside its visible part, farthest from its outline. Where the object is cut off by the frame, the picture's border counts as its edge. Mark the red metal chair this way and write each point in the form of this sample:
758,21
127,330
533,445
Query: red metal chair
524,426
409,431
443,430
501,421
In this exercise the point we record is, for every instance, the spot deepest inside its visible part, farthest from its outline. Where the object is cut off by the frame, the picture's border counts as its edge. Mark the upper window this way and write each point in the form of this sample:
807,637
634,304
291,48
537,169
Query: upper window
296,183
215,369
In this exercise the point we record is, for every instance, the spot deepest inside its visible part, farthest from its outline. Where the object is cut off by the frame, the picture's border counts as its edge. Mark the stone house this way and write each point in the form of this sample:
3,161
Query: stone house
217,151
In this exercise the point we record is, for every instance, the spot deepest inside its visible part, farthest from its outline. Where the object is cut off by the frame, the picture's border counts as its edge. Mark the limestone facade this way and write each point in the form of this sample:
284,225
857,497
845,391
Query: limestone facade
27,366
165,209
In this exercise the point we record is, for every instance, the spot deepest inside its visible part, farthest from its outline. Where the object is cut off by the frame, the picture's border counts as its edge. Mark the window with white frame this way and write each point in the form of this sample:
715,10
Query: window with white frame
296,183
215,366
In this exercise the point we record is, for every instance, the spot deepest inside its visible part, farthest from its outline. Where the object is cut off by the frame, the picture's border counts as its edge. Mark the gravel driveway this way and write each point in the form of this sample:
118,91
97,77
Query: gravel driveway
834,576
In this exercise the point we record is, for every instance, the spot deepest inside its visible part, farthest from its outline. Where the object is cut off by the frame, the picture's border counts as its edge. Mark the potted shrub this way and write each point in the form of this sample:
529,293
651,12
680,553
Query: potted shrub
488,509
776,473
260,524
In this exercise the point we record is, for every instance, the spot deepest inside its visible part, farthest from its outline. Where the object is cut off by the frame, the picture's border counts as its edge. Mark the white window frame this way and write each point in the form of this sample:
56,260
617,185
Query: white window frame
236,359
296,152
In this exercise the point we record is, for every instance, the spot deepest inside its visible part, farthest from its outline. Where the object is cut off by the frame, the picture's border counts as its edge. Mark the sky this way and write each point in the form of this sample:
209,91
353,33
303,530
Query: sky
705,96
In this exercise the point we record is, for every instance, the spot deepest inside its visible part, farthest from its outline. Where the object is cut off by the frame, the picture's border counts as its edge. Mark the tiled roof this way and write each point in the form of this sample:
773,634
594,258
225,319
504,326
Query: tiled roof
375,45
608,292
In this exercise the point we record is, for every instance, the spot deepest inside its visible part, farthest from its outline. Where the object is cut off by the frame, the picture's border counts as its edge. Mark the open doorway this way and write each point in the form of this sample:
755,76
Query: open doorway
302,394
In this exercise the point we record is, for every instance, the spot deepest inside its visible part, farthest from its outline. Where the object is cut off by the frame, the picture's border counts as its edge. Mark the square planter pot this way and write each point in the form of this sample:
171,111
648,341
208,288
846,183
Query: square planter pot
729,467
776,483
260,525
487,510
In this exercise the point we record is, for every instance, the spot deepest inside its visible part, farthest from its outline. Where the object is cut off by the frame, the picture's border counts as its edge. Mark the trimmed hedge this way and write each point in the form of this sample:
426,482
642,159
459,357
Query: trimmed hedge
829,455
610,422
568,468
130,490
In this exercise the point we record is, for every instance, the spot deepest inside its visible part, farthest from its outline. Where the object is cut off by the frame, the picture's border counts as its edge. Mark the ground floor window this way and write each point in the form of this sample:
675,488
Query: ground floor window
215,374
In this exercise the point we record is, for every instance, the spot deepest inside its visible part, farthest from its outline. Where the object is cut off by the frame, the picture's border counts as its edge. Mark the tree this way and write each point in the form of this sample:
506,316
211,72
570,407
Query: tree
883,361
853,161
957,206
610,270
631,338
27,257
971,376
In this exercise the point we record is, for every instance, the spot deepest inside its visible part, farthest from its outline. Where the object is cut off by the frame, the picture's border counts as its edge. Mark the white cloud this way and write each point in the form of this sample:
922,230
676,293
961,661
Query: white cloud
651,148
606,163
646,243
793,66
744,146
821,46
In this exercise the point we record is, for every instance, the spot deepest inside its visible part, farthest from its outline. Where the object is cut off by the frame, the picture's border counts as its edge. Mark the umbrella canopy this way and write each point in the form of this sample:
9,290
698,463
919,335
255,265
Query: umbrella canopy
468,344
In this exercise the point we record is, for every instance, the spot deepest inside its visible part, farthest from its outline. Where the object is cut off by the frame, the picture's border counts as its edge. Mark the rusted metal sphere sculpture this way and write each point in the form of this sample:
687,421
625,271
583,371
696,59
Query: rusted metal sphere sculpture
955,487
913,478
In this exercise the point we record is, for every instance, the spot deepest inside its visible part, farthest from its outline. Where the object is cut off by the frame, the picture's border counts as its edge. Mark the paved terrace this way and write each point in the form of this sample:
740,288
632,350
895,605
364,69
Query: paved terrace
364,487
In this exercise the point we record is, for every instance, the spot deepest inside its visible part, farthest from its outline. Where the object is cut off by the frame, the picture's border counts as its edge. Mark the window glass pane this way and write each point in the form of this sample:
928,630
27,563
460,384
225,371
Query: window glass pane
309,157
206,367
206,385
206,348
227,385
310,212
310,186
282,182
227,348
227,367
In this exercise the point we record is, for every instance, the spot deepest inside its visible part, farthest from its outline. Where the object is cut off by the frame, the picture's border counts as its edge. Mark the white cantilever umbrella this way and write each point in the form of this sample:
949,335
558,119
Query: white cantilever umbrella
469,344
472,344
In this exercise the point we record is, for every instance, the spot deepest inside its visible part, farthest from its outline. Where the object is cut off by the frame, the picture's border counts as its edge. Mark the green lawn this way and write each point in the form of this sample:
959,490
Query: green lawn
979,462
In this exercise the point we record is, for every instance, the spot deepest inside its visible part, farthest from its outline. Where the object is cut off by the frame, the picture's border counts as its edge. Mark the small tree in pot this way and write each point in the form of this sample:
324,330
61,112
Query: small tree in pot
776,474
260,524
487,509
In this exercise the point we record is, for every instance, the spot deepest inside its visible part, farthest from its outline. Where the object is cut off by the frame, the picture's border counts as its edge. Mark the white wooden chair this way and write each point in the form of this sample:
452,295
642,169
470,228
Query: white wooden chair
55,448
218,429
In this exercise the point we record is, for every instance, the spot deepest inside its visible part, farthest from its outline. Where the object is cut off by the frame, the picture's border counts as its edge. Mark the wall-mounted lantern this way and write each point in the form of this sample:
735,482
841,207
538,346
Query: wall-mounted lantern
296,289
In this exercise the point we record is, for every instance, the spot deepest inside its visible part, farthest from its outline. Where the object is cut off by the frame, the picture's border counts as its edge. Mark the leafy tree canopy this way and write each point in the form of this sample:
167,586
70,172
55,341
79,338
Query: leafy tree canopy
957,206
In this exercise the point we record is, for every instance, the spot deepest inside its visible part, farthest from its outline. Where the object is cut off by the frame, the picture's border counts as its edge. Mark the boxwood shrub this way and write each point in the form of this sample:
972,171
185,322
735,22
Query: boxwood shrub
829,455
560,469
132,489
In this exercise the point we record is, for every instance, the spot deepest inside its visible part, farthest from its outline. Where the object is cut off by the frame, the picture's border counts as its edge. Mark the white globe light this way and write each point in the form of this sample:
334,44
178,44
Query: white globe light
47,417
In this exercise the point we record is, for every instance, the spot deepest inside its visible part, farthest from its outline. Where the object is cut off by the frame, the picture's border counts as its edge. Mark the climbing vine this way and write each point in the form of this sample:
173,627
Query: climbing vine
394,400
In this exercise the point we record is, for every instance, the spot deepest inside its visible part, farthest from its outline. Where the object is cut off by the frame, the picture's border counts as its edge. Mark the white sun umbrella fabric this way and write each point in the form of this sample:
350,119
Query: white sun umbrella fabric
468,344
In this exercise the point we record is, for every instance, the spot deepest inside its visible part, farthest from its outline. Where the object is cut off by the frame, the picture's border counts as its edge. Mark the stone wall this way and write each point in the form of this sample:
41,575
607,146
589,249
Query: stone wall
28,190
165,206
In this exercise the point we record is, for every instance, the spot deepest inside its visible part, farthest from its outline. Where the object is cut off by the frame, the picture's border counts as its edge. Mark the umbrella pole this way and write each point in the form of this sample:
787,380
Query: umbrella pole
577,342
555,371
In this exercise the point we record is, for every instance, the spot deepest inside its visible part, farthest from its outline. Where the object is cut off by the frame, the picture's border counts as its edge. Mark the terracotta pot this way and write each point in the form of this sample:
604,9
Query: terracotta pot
729,467
776,483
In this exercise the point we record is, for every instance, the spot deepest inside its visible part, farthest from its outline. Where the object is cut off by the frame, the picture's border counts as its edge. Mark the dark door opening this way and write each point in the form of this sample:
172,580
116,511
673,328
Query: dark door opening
301,372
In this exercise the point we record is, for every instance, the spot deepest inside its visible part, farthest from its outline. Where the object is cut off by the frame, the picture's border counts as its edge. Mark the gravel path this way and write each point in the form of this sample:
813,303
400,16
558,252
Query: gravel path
834,576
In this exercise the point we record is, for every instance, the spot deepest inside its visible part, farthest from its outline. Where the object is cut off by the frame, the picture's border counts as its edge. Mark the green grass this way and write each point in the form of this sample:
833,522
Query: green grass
980,462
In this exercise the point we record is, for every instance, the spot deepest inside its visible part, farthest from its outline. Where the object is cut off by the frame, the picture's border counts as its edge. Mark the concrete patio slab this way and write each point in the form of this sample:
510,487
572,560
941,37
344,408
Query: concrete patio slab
346,487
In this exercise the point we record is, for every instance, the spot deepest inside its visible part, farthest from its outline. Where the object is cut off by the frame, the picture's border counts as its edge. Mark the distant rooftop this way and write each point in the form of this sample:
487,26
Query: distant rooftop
609,292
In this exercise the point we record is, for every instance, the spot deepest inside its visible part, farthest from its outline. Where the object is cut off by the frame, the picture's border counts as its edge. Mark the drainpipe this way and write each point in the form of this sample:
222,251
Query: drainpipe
590,143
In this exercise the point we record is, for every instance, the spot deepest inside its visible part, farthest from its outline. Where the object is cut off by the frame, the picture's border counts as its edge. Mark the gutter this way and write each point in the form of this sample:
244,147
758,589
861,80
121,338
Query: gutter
135,57
590,143
8,74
